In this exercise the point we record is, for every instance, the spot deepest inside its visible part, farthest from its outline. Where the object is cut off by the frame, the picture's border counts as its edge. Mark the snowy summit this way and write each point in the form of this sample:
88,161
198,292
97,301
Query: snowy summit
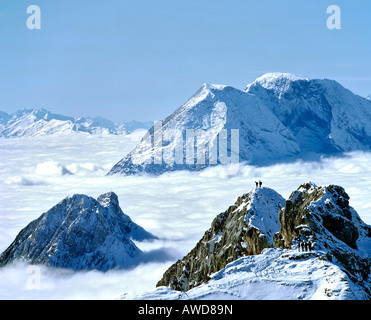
80,233
280,117
277,80
245,228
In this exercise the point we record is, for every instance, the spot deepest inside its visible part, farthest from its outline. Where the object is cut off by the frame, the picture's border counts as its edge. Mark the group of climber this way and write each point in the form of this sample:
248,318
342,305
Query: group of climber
258,184
305,246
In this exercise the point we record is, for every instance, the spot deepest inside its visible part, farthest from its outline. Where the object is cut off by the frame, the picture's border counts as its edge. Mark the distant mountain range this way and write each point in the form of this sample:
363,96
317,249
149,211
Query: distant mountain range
34,122
279,117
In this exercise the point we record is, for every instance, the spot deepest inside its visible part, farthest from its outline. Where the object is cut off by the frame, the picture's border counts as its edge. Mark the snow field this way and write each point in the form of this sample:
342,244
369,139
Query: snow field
274,274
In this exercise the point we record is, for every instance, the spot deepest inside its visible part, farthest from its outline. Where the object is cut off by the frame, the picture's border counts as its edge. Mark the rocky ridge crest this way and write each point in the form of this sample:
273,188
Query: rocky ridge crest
320,214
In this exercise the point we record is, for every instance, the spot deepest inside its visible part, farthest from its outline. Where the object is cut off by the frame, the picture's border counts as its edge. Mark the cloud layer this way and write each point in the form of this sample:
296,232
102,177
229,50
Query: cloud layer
37,173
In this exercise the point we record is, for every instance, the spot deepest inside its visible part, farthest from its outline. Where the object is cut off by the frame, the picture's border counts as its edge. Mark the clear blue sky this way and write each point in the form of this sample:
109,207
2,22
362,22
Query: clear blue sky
142,59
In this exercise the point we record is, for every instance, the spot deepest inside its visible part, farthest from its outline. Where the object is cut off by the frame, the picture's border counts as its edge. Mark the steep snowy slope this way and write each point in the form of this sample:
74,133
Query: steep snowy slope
324,116
246,228
261,137
280,117
4,118
79,233
275,274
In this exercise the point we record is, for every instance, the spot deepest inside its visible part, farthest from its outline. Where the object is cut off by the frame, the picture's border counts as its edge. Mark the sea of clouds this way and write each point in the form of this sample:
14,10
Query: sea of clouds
38,172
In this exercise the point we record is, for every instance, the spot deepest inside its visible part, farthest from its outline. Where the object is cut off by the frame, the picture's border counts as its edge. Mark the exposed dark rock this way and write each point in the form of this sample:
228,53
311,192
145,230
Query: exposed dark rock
323,215
319,214
79,233
245,228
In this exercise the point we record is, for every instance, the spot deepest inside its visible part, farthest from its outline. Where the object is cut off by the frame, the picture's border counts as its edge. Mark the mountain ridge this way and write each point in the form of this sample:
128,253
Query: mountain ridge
279,117
36,122
338,266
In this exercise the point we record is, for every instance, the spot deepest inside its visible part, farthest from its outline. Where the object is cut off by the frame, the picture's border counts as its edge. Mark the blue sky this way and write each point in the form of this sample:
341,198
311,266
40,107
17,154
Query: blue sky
142,59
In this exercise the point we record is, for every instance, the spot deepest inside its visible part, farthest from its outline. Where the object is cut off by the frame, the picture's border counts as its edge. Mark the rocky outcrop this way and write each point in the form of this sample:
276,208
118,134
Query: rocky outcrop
79,233
323,215
245,228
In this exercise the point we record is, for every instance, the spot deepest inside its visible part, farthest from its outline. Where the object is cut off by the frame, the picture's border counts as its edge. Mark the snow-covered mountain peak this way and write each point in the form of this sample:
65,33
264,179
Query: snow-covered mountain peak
210,86
245,228
307,186
217,111
108,199
262,205
280,117
36,122
276,80
38,114
206,91
80,233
